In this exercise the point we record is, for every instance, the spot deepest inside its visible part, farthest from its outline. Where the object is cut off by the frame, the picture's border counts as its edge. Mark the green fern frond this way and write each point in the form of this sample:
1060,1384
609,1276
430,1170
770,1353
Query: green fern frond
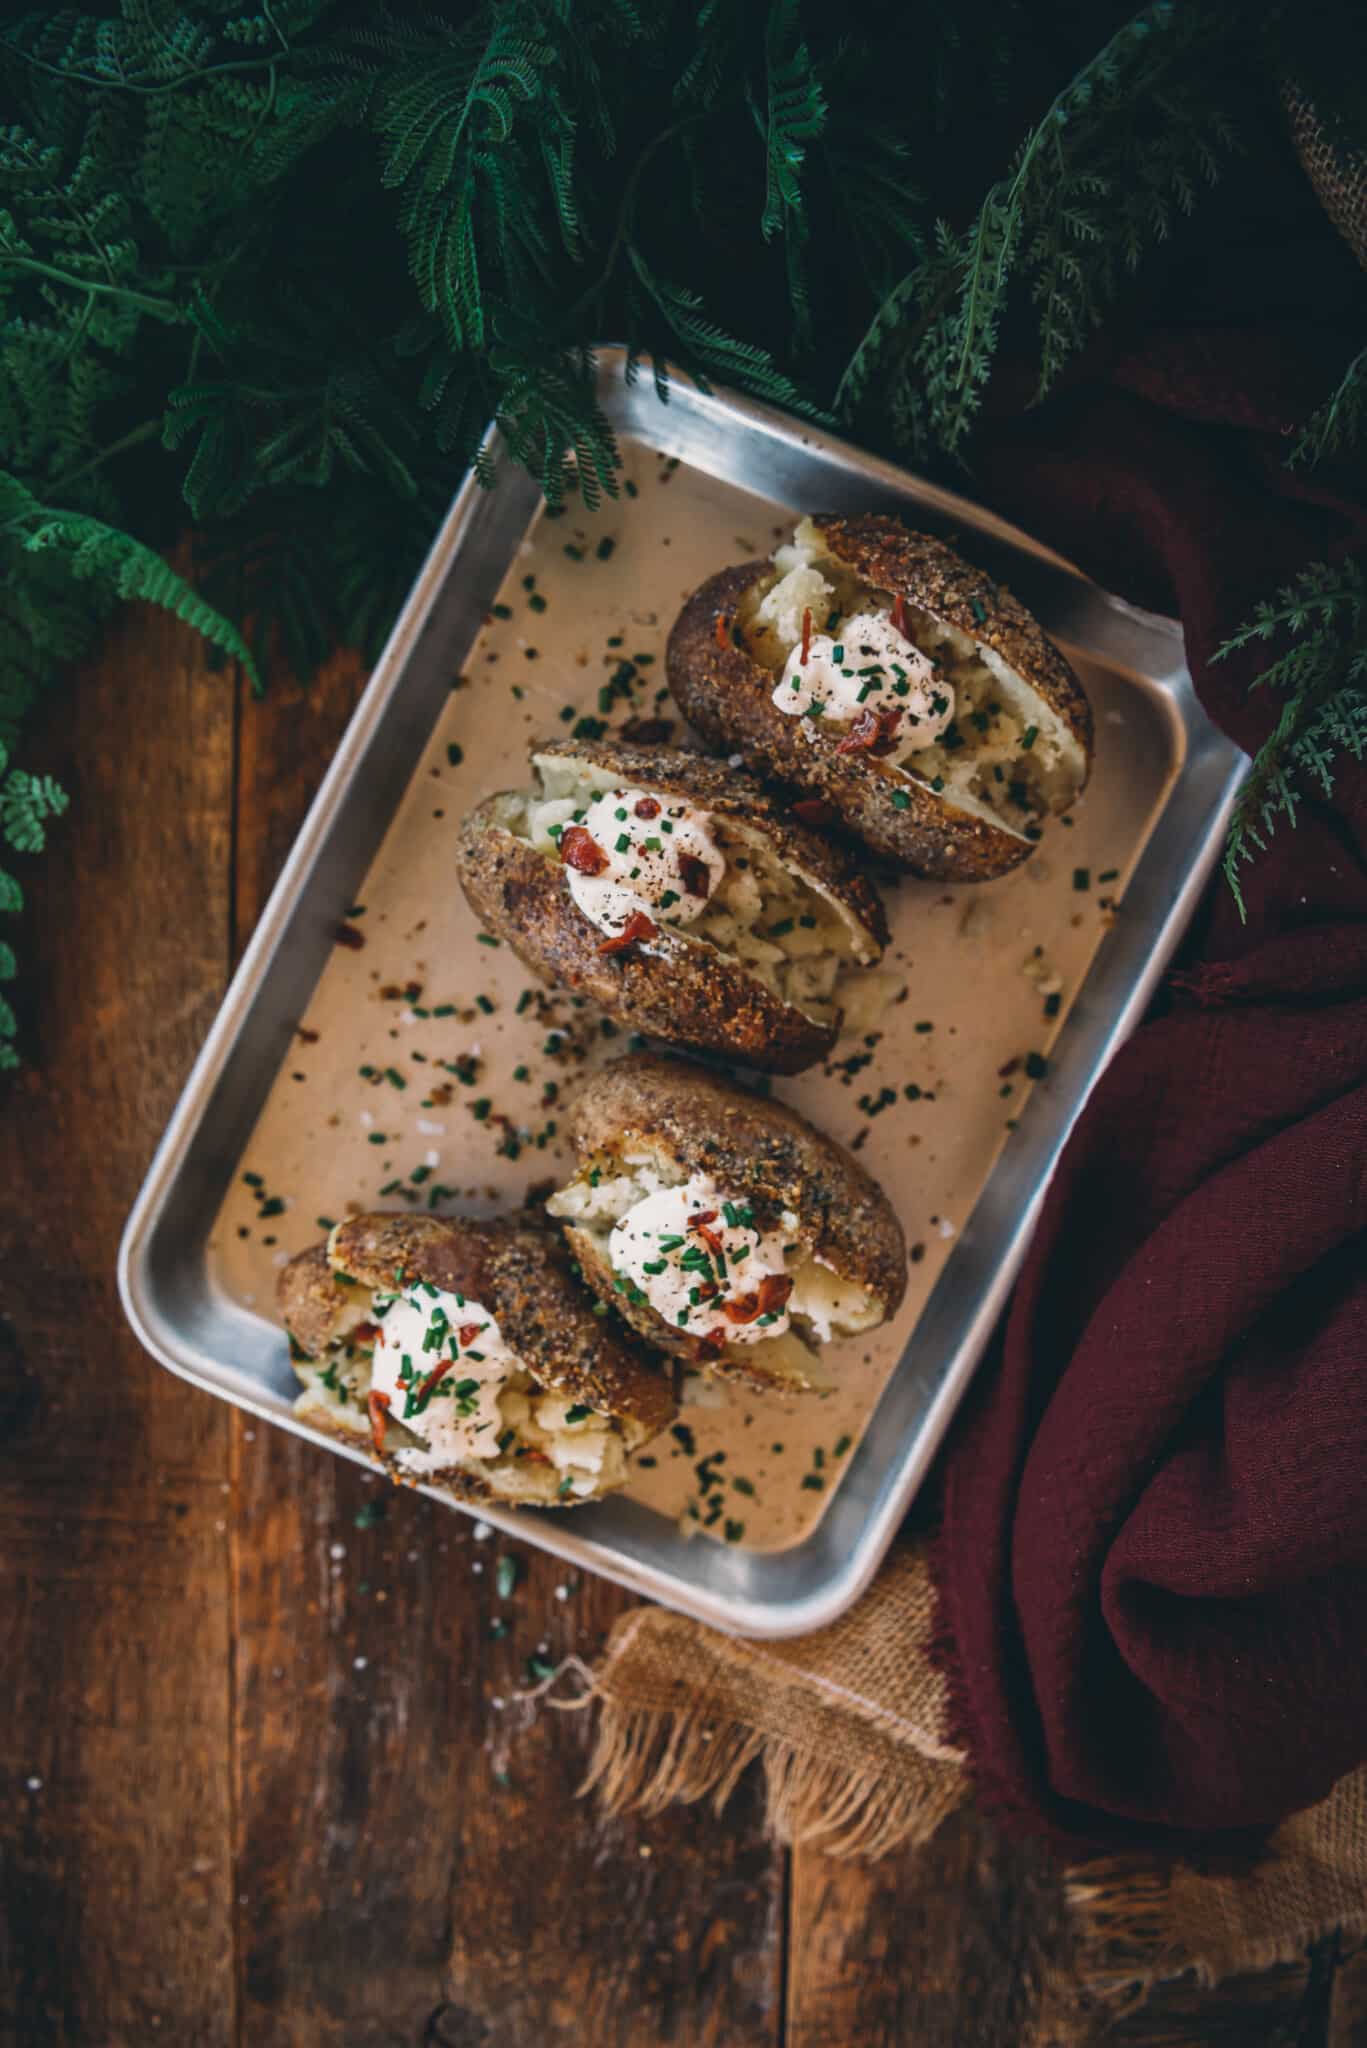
1322,678
27,803
1340,424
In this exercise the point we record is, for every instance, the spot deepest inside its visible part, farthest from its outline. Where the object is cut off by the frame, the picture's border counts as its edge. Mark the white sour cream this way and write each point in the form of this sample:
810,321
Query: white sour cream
657,1246
661,860
460,1418
867,665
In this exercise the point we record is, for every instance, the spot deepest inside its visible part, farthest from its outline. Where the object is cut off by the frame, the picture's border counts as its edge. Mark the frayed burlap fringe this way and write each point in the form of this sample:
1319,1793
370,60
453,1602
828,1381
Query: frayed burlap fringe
1139,1922
644,1760
849,1724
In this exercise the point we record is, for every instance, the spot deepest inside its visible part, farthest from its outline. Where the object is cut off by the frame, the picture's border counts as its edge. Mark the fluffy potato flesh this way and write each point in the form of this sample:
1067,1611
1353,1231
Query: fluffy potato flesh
823,1305
779,923
551,1449
1007,757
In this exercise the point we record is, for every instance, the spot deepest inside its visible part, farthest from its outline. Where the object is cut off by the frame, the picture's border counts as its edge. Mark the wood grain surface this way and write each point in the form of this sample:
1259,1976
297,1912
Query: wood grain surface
269,1779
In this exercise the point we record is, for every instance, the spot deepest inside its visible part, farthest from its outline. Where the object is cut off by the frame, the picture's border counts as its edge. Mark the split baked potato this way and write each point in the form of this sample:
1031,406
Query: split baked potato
678,896
468,1356
874,670
723,1226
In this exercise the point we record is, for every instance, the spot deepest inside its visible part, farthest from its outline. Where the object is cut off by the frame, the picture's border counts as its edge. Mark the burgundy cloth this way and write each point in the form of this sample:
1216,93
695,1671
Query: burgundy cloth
1153,1550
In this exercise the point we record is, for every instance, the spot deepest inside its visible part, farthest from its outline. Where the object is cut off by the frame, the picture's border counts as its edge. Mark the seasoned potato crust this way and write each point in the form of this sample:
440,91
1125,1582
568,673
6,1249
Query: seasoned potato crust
682,987
722,663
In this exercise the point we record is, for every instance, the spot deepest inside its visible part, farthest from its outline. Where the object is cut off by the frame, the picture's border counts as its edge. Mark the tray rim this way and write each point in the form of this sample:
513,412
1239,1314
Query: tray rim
837,1590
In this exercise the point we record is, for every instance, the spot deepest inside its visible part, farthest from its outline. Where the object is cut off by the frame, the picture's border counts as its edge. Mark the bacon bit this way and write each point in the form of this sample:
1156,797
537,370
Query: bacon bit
305,1036
767,1299
698,1225
468,1332
723,631
697,876
648,732
873,732
580,850
1009,1068
899,615
648,807
433,1380
347,935
532,1457
714,1341
813,810
365,1333
806,634
377,1405
637,926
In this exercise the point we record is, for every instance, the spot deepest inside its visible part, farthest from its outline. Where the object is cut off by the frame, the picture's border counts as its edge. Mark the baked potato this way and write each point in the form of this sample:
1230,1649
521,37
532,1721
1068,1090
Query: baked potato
678,896
467,1355
875,671
723,1226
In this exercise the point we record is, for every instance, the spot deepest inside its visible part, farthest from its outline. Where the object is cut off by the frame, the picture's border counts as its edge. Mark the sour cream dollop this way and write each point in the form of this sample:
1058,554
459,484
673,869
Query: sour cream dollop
866,667
459,1418
694,1254
658,859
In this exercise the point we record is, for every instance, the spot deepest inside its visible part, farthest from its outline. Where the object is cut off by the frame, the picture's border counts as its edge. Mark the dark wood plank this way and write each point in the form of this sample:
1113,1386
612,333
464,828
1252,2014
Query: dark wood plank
113,1510
1283,2008
1348,2002
413,1863
938,1946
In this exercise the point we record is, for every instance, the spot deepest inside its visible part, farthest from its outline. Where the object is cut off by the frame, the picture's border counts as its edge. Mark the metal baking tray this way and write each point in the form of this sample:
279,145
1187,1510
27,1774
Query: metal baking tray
710,476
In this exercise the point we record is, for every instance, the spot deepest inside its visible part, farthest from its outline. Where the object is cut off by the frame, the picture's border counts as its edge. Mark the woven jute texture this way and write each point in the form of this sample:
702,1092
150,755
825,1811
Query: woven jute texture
851,1729
1339,176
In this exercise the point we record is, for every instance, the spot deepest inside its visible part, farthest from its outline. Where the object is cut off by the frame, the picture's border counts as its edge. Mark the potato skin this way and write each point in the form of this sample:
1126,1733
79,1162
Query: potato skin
675,990
726,694
521,1275
762,1150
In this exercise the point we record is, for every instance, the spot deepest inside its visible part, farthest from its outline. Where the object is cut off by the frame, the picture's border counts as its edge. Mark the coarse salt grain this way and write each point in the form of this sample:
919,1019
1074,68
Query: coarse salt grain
336,1550
481,1532
359,1663
365,1117
432,1159
429,1129
946,1227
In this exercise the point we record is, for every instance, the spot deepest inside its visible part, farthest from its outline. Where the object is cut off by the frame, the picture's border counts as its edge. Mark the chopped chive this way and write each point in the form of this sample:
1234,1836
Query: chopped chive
454,754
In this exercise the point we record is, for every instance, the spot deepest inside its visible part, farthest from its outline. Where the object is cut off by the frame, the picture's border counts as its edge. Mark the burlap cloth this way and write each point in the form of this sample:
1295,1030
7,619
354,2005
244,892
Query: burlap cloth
850,1727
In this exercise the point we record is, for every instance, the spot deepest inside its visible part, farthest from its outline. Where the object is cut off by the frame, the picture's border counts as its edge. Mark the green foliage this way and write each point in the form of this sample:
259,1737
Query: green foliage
1339,427
1321,678
1119,154
272,269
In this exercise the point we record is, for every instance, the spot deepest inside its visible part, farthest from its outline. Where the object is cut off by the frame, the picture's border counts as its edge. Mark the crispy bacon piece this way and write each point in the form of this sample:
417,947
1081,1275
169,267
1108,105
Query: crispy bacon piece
899,616
377,1406
648,807
532,1457
713,1341
697,876
723,631
468,1332
434,1380
766,1300
579,849
873,732
806,634
813,810
364,1333
637,926
699,1226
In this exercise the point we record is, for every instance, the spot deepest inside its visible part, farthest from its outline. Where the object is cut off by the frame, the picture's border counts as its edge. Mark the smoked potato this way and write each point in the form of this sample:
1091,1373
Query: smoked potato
723,1226
468,1356
875,671
677,895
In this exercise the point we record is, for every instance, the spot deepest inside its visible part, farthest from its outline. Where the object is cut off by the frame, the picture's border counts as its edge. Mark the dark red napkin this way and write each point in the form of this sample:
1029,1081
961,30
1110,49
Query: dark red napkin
1153,1554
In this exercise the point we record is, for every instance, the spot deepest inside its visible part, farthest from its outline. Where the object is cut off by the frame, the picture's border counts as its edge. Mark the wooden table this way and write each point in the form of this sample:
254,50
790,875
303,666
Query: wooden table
266,1781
